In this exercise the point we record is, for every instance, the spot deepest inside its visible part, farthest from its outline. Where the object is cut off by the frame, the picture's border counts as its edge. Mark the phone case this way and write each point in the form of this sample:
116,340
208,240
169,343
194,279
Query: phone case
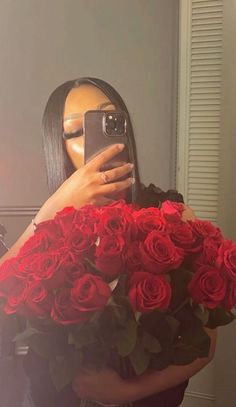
97,141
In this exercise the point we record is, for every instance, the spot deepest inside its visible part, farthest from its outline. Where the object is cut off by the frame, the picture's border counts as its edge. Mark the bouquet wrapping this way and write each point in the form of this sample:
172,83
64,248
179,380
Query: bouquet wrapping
120,286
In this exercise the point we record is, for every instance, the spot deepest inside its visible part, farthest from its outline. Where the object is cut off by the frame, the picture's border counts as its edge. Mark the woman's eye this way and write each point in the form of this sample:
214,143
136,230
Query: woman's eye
73,134
73,125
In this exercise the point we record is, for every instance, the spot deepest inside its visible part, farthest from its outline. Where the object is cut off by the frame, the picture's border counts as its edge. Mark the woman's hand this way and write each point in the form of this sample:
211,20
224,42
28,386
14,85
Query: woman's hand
87,185
188,214
104,386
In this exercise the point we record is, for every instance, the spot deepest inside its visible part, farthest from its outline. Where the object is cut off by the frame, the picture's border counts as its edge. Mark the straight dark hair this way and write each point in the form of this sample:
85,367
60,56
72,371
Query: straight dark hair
58,164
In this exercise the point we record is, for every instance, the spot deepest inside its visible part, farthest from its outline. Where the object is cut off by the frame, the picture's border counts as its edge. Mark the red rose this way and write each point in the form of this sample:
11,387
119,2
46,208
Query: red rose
7,269
12,288
208,254
75,271
207,287
38,301
172,211
89,294
148,292
226,259
182,236
109,255
229,302
204,228
25,269
148,219
133,257
49,229
64,219
38,242
116,220
62,311
80,242
120,203
159,254
86,219
15,293
40,265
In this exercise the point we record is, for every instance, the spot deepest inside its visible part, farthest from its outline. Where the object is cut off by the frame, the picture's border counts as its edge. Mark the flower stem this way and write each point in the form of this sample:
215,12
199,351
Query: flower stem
186,301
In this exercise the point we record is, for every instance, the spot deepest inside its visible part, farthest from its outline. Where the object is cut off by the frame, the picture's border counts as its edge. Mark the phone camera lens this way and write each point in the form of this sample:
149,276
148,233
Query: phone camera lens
112,124
115,124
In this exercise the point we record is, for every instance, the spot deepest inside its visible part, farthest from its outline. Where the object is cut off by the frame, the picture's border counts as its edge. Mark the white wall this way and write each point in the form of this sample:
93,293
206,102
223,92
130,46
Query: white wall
226,350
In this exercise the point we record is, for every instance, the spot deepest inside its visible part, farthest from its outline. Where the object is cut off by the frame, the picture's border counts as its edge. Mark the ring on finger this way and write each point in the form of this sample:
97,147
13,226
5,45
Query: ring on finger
104,177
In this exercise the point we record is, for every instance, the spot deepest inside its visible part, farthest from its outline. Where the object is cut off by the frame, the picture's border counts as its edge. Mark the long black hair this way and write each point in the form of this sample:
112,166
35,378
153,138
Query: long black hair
58,164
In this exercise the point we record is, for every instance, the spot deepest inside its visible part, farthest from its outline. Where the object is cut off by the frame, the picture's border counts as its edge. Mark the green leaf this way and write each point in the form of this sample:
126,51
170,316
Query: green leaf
219,317
150,343
26,334
97,354
111,302
63,369
173,326
127,338
113,284
202,314
179,282
139,358
162,326
42,344
84,336
137,315
93,269
71,339
161,360
194,341
121,288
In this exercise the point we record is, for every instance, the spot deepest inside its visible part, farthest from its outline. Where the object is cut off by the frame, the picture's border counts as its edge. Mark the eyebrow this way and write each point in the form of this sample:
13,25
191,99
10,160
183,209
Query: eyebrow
99,107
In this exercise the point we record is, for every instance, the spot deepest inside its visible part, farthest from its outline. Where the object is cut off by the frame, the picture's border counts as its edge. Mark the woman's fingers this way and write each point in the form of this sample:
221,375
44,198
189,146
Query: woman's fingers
188,214
114,187
103,201
115,173
97,162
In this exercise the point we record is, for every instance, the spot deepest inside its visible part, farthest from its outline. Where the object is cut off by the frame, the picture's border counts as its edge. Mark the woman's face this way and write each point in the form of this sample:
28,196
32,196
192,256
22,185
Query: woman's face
79,100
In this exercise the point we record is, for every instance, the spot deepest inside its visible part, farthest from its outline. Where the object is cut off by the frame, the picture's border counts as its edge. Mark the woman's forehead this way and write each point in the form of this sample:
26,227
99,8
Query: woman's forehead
84,97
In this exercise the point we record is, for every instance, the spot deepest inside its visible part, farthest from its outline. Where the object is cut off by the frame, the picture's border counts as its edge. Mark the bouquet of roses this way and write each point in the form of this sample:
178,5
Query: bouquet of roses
121,286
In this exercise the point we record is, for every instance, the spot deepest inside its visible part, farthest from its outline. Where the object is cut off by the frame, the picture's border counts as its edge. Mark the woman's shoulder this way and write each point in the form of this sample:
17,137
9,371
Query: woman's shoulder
154,196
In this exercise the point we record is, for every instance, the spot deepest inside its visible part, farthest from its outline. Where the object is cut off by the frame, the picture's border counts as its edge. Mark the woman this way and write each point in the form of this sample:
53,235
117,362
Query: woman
72,183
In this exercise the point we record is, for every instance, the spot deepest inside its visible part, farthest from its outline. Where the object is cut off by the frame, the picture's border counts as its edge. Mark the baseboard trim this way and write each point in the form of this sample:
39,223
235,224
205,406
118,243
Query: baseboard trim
18,210
200,395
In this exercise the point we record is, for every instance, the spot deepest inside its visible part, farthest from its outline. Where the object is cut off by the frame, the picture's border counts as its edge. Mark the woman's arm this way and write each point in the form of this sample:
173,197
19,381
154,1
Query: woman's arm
156,381
84,186
107,386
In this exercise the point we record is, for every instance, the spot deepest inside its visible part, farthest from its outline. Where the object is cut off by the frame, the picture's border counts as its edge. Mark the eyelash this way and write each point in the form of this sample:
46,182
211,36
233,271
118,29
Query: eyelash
77,133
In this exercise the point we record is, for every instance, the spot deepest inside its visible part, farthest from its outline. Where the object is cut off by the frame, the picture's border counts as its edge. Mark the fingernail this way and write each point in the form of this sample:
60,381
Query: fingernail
131,165
132,180
120,146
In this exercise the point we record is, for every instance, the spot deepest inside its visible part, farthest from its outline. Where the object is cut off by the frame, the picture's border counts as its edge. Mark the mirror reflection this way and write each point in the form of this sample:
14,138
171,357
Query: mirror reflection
129,102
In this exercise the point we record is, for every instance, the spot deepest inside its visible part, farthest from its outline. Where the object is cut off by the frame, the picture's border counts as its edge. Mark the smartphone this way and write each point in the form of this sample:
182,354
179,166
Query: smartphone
103,128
